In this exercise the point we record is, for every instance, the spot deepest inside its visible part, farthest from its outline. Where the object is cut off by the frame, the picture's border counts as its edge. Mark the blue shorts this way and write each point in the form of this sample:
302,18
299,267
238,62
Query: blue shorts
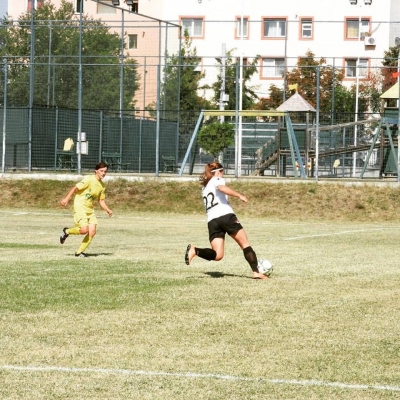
227,224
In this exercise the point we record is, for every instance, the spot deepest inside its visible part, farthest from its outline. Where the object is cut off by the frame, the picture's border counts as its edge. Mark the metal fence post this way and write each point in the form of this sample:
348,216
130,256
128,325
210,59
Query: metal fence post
31,85
80,88
3,158
317,124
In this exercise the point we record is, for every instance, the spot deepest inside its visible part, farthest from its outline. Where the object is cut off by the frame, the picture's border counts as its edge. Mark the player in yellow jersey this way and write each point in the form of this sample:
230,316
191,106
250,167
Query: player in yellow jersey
91,187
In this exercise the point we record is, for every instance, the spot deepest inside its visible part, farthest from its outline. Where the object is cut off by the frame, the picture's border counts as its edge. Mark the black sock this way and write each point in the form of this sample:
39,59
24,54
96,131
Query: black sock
251,258
207,254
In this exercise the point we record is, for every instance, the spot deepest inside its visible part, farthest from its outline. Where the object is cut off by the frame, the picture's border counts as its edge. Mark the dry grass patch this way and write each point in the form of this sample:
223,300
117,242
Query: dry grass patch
283,200
134,322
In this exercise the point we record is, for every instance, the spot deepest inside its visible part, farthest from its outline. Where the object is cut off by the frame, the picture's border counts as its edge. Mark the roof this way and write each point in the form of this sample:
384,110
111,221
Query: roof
296,103
391,93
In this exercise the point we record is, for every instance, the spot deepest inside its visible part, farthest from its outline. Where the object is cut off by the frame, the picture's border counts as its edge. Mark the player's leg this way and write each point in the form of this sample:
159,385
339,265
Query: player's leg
64,235
79,221
205,253
218,245
90,230
241,239
216,253
217,240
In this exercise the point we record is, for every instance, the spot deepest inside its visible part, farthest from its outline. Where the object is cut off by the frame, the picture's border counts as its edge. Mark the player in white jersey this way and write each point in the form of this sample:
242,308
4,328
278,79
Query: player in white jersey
221,219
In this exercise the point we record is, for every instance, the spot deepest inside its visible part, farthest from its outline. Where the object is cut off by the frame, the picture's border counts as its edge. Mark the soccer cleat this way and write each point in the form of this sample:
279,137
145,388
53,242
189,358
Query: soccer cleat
187,262
81,255
63,236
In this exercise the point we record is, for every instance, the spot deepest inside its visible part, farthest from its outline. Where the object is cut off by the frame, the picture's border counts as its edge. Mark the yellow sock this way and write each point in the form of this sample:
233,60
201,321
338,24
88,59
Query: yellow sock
85,244
73,231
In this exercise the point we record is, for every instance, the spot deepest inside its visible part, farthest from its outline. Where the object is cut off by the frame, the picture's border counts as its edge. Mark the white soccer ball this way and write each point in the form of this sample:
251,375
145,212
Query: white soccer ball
265,267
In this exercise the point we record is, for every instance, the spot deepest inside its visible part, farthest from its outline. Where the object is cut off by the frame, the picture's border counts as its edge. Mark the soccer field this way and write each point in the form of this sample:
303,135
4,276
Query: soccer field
132,321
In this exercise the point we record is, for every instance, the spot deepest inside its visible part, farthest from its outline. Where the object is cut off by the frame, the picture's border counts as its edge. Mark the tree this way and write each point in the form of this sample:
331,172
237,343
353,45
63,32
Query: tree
370,90
231,75
345,99
390,63
273,101
215,137
181,77
56,68
305,75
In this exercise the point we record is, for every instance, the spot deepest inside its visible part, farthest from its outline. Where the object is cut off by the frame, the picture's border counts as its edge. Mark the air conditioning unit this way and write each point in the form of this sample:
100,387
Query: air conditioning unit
370,41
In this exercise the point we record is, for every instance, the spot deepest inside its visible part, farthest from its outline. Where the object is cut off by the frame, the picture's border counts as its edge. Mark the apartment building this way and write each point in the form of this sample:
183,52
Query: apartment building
349,34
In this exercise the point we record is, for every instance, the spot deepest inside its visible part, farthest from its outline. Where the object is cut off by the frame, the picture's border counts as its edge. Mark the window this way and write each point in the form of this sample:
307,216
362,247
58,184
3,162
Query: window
351,68
106,9
132,42
352,27
245,27
135,6
274,28
78,6
273,67
306,28
37,3
194,26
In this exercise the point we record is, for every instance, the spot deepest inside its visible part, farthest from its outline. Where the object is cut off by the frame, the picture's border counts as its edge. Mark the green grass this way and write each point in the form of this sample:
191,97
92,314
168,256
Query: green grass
132,321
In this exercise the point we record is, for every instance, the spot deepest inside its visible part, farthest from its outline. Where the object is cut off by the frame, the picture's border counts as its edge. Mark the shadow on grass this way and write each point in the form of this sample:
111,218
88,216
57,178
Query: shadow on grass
217,274
88,255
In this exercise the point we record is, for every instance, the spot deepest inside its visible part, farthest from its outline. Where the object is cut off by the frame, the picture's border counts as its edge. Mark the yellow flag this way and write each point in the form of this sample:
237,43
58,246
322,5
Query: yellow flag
293,87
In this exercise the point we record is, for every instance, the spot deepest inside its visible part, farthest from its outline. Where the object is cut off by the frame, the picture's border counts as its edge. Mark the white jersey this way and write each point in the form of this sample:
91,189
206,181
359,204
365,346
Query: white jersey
215,202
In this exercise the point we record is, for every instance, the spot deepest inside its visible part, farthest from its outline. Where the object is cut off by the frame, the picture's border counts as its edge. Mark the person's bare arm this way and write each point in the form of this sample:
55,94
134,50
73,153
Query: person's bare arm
230,192
104,206
67,198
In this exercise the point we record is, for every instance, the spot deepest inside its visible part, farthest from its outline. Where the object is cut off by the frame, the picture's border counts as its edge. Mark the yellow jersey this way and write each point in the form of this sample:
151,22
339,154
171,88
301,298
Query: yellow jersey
89,189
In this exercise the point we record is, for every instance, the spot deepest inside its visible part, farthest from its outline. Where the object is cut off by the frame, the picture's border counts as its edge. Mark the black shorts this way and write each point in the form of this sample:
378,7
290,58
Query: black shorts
218,227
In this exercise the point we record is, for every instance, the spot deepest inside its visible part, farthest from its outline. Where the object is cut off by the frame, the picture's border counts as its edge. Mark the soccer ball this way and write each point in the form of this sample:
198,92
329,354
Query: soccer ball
265,267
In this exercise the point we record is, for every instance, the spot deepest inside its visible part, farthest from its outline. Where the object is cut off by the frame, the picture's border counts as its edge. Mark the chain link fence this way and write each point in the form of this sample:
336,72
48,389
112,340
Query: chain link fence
342,134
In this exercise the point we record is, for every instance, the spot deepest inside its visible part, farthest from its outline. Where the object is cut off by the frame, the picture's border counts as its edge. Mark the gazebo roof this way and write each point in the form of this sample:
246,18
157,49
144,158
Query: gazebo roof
296,103
391,93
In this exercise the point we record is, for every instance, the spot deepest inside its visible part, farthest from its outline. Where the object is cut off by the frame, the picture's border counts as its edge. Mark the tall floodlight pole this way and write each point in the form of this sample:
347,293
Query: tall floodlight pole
158,102
31,84
236,118
354,2
240,133
317,124
285,71
80,88
121,83
3,156
397,42
122,60
223,78
357,93
49,63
